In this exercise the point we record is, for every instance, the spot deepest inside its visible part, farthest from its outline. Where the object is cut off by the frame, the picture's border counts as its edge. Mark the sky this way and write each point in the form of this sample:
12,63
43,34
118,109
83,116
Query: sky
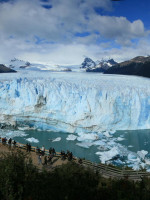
64,32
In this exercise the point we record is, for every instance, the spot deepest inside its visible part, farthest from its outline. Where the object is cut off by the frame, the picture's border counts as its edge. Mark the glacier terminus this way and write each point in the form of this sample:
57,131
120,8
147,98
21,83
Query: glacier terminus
71,102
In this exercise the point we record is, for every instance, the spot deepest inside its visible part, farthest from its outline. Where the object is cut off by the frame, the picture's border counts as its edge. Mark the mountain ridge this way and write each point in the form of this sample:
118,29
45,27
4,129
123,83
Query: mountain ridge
4,69
139,66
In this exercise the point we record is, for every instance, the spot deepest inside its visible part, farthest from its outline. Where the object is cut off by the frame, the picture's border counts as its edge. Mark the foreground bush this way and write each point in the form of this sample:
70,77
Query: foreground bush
20,180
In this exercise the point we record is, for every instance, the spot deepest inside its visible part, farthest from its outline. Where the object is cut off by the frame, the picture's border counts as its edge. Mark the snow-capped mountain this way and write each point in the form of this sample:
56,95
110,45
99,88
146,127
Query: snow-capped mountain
20,65
88,63
97,66
105,64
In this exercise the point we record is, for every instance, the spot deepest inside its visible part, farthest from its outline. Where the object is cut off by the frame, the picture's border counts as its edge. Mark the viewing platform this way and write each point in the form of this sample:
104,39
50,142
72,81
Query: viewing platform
106,171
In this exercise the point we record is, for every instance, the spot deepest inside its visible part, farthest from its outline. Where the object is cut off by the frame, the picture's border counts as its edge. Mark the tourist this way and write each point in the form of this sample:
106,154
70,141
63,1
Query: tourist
63,155
4,140
9,141
45,160
70,156
53,152
29,147
14,143
50,150
50,158
43,150
37,150
80,161
39,159
68,152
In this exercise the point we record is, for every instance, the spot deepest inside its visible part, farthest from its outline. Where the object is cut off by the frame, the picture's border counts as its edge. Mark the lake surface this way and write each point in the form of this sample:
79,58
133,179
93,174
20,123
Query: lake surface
132,141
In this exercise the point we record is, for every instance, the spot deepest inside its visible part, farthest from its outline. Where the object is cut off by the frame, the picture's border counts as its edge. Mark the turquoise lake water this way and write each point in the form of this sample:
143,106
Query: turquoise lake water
133,140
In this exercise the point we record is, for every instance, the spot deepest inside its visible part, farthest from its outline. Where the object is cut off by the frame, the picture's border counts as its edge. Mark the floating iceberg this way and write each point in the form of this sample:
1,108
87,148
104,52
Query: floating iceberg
56,139
120,139
12,134
99,142
32,139
71,137
108,155
142,154
85,144
106,133
132,156
87,136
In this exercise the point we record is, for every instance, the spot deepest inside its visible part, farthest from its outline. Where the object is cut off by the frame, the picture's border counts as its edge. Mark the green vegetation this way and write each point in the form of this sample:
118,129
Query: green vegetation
21,180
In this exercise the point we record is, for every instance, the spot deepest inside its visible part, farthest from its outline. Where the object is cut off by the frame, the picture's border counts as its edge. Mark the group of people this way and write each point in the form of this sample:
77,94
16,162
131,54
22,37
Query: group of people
40,151
47,159
9,141
68,155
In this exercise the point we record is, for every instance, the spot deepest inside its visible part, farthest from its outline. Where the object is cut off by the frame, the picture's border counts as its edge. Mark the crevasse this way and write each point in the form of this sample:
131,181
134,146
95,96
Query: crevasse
75,102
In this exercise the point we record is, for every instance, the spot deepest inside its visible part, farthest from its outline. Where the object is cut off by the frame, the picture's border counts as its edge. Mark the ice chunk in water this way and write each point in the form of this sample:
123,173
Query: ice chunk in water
112,132
85,144
99,142
87,136
142,154
120,139
32,139
106,133
132,156
12,134
107,155
130,146
56,139
71,137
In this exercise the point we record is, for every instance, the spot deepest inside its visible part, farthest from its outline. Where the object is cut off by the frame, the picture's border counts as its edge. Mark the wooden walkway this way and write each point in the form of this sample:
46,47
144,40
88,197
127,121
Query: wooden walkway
103,169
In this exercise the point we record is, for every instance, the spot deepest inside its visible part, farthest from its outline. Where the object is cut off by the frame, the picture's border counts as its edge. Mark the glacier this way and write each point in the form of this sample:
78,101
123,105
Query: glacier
74,102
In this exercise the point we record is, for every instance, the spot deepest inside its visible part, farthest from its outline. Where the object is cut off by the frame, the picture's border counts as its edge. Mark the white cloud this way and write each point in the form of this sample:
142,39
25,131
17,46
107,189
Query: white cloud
22,20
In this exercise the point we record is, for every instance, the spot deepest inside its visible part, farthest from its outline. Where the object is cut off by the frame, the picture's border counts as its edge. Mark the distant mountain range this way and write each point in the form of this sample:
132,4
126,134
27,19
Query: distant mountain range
97,66
4,69
20,65
139,66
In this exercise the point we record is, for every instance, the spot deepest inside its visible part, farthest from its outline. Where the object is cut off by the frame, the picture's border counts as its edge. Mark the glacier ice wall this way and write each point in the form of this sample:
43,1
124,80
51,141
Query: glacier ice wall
74,102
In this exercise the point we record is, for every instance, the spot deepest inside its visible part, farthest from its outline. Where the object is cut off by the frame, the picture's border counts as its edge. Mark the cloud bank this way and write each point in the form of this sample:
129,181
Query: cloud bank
64,31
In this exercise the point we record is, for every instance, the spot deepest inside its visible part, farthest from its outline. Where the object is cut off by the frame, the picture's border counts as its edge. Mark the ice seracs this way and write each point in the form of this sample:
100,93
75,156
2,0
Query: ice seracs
67,102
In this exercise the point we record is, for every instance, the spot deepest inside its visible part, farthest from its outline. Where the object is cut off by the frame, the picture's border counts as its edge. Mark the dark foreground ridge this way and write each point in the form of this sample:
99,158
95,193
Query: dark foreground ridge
139,66
4,69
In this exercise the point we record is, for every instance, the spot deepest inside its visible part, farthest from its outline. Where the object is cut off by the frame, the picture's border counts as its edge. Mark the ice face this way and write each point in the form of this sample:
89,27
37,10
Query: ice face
75,102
